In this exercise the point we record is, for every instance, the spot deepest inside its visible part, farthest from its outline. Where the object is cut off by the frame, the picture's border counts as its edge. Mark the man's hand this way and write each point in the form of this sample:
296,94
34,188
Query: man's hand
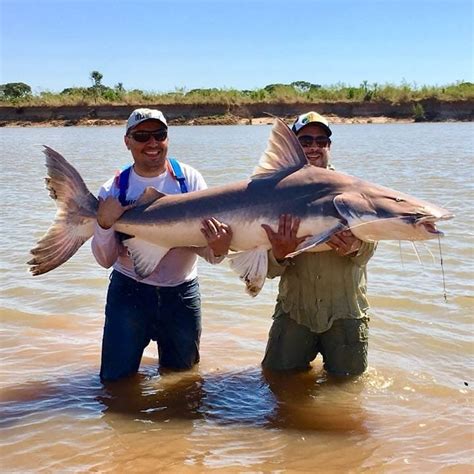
218,236
284,241
109,211
345,243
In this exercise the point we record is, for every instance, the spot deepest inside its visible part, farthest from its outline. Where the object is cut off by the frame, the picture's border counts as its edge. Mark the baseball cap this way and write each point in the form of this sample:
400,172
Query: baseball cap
140,115
310,117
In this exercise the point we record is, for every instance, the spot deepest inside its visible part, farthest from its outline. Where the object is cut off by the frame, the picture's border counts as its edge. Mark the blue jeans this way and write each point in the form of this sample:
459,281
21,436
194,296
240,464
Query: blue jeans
136,313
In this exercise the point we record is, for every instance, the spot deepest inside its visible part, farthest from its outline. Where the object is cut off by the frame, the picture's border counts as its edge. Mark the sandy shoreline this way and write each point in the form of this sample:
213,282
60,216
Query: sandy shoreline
226,120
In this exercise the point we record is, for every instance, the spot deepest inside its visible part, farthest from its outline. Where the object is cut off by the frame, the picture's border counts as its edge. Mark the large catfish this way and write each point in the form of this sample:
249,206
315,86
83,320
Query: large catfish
282,183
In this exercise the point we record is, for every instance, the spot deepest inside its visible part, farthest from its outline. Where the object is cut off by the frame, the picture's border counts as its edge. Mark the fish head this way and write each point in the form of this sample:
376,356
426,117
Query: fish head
376,213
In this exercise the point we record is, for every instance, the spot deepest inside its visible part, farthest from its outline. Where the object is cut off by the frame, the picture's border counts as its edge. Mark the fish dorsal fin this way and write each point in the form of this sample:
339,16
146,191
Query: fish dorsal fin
283,152
145,256
150,194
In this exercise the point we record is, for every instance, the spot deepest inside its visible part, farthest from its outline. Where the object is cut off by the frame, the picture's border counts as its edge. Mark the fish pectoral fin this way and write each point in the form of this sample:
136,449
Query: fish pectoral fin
252,267
351,205
316,240
150,194
145,256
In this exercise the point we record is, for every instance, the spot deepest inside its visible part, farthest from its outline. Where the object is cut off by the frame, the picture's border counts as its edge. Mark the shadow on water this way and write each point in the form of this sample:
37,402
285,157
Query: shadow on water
76,397
315,401
300,401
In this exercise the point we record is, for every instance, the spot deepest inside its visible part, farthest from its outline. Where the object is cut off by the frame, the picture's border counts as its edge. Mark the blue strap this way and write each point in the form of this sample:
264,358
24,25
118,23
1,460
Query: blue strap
178,174
123,178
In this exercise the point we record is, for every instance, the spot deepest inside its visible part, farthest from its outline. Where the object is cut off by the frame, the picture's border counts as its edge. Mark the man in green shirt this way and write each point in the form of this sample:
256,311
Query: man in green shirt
322,303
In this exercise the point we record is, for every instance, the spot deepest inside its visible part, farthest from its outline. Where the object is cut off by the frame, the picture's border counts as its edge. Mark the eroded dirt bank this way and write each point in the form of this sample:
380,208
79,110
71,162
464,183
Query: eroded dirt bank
197,114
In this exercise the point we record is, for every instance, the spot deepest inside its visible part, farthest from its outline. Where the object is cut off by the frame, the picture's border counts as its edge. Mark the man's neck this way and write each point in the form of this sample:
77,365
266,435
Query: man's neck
149,172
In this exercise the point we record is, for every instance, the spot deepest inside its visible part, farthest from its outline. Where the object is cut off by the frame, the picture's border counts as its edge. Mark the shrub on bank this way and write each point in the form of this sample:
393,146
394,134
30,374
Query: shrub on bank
19,94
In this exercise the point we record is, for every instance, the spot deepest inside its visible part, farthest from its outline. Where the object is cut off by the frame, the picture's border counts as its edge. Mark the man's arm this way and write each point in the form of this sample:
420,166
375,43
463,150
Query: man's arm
284,241
346,244
106,245
365,253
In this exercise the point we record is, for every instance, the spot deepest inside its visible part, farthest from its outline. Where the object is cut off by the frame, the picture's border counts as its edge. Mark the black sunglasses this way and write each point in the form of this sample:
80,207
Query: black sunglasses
143,136
320,141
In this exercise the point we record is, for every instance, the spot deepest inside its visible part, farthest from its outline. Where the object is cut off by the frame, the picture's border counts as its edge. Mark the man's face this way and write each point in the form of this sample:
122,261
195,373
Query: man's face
150,155
316,144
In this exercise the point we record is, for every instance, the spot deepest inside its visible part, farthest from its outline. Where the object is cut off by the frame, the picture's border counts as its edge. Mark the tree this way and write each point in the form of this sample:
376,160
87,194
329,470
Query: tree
301,86
96,77
82,91
97,87
273,87
14,90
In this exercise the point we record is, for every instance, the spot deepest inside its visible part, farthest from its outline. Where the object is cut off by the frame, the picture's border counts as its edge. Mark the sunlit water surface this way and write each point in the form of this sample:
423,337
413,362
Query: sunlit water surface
411,412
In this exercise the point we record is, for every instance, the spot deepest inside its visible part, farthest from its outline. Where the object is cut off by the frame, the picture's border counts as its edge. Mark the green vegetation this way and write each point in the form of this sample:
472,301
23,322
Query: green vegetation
419,113
19,94
15,91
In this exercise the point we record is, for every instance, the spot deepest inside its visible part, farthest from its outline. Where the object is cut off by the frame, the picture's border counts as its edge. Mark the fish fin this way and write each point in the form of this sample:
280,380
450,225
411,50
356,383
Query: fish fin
252,267
316,240
352,206
283,152
145,256
359,213
74,222
150,194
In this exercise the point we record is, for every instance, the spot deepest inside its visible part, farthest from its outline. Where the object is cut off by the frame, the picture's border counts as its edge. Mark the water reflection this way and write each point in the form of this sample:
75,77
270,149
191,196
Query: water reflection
309,401
317,402
219,419
156,399
41,399
302,401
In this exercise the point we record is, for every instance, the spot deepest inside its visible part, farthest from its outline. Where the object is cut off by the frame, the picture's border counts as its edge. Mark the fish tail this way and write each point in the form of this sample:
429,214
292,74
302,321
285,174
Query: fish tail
75,216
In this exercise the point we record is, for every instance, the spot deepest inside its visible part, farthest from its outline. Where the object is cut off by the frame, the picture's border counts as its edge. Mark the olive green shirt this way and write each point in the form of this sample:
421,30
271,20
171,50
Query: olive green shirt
316,288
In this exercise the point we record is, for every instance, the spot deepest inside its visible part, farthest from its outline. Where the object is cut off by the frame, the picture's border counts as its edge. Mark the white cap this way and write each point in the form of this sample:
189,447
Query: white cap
308,118
140,115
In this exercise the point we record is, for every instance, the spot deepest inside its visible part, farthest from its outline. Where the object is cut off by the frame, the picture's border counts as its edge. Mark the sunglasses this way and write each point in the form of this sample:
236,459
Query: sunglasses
143,136
320,141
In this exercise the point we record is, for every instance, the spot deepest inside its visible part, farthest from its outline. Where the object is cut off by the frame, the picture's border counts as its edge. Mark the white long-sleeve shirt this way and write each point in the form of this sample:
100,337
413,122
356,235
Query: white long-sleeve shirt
180,263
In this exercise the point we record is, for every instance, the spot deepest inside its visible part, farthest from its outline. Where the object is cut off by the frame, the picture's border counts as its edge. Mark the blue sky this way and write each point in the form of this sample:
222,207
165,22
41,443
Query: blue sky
163,45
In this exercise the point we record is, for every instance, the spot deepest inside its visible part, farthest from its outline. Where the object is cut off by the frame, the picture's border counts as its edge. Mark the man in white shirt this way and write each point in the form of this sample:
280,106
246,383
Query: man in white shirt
166,305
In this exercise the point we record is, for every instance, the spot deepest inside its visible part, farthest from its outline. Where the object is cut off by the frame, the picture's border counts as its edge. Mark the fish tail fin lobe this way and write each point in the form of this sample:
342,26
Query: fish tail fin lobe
75,216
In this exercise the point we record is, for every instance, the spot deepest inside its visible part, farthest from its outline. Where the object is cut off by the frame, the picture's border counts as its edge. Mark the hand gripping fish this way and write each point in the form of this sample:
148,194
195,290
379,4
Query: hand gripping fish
283,182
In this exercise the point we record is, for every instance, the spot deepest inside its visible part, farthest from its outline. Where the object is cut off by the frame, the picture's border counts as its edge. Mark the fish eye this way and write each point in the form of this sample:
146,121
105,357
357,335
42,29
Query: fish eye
399,199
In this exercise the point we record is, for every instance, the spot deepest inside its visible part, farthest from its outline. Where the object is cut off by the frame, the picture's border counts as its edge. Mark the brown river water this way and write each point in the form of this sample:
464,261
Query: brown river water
411,412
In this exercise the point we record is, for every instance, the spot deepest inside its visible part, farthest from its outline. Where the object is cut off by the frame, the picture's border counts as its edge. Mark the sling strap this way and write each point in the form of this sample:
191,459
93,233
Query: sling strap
177,173
123,179
173,166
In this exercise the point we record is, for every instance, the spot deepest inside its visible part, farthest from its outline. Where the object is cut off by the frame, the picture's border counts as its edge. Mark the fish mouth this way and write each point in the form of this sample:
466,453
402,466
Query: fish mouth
430,227
429,223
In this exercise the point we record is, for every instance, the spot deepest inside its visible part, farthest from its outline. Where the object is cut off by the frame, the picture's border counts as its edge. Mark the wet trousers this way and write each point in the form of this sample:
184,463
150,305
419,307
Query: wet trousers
137,313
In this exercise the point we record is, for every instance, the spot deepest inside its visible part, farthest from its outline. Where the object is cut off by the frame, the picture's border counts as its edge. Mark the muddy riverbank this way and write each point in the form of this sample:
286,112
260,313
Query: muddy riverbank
257,113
